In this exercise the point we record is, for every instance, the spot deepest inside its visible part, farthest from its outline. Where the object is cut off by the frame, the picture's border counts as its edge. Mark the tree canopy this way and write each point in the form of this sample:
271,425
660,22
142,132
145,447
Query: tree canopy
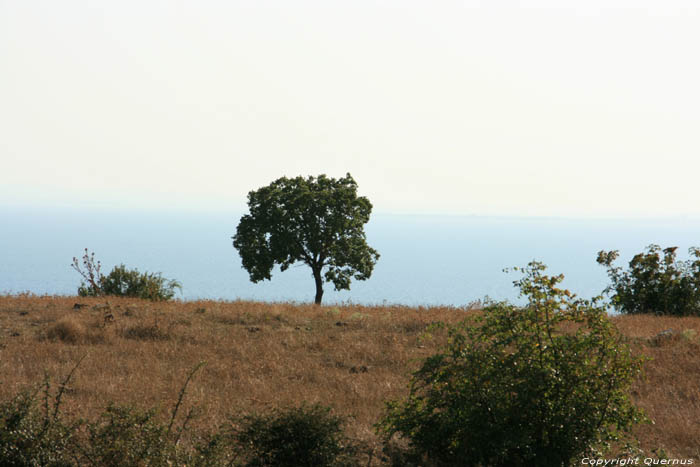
318,221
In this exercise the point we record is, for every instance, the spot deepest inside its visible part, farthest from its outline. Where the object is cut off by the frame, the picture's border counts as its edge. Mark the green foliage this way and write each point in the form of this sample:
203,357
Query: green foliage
124,437
122,282
540,384
33,432
296,437
318,221
29,437
655,284
131,283
34,436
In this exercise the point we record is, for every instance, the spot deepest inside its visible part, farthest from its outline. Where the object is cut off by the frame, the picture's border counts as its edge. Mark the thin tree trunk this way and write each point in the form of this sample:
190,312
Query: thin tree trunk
319,285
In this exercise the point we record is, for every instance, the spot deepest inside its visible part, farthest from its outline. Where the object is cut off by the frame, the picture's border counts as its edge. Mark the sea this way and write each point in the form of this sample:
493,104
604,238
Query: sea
426,260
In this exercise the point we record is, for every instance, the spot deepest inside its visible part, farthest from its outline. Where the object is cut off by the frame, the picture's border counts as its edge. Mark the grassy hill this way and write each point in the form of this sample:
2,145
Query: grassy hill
259,356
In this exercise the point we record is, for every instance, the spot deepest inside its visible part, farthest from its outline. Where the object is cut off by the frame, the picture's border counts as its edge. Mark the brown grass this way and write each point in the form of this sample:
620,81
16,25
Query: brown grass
261,356
67,329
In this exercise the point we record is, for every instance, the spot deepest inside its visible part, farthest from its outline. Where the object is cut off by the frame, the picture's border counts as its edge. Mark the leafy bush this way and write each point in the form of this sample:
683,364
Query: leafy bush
124,437
540,384
296,437
122,282
33,432
30,435
652,284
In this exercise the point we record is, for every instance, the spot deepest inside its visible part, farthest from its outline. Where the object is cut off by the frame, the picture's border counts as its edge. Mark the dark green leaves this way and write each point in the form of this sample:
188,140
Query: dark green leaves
295,437
318,221
654,283
539,384
122,282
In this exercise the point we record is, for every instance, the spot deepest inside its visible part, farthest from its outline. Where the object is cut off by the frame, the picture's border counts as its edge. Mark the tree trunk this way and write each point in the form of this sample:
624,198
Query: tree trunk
319,285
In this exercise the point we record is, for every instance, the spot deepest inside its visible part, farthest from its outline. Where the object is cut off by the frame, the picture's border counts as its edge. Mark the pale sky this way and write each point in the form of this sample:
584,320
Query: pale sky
531,108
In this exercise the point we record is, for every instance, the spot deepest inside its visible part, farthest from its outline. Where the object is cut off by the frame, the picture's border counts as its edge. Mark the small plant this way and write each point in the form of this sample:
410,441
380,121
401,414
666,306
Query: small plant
295,437
122,282
92,275
655,284
540,384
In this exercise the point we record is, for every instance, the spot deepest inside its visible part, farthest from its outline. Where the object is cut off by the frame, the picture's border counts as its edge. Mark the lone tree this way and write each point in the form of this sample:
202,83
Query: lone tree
315,220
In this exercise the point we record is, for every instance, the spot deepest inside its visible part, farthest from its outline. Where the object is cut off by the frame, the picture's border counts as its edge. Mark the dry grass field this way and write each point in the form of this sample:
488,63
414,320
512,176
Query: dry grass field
259,356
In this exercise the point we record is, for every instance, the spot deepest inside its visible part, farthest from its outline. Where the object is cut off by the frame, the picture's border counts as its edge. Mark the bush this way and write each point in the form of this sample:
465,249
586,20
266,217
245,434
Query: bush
122,282
30,435
296,437
125,436
653,284
540,384
33,432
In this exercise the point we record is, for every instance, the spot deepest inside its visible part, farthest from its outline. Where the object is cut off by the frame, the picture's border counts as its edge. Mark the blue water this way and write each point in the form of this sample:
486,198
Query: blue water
425,260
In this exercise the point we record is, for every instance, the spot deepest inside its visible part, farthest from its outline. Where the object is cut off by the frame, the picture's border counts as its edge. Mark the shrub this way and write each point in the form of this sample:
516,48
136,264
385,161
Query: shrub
30,435
127,436
295,437
33,432
124,437
652,284
122,282
540,384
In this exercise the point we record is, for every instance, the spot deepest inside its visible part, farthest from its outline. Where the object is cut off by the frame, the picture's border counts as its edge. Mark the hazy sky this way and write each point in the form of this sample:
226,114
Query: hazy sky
560,108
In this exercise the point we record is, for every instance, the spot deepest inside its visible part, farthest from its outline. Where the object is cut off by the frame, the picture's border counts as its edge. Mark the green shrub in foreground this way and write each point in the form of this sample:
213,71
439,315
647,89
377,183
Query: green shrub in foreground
295,437
37,436
513,388
33,432
122,282
27,437
124,436
653,284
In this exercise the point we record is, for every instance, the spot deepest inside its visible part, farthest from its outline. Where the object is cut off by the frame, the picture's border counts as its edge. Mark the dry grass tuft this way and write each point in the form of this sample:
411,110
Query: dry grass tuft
67,330
71,330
